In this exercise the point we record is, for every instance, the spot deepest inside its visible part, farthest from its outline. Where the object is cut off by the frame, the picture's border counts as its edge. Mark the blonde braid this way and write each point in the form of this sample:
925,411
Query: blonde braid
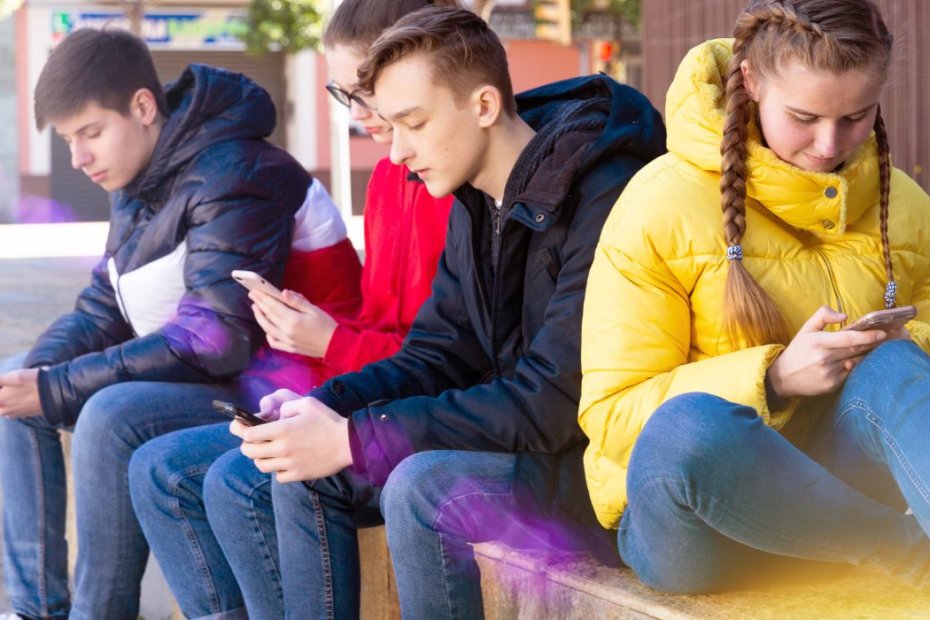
748,309
884,173
828,35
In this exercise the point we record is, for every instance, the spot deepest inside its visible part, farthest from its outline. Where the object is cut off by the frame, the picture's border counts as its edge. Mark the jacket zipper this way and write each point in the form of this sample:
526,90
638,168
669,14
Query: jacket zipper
833,283
136,218
497,242
482,290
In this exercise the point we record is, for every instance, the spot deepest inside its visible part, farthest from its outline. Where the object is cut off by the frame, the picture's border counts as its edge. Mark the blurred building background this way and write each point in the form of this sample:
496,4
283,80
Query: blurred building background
37,183
671,27
642,46
9,151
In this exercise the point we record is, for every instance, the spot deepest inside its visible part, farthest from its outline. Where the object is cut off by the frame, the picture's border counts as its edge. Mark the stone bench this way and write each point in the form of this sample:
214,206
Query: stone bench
520,585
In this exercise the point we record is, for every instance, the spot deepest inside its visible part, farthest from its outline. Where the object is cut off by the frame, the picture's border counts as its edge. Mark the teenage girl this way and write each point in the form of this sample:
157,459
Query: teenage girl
730,417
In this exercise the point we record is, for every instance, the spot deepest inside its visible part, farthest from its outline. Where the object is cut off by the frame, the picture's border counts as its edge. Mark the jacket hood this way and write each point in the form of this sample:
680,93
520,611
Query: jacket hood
695,113
206,105
580,122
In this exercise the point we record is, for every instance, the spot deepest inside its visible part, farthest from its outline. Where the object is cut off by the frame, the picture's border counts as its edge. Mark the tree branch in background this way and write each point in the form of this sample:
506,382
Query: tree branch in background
285,25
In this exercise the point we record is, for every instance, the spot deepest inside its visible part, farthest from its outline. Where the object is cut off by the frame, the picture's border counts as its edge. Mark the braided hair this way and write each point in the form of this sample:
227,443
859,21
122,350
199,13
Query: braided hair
828,35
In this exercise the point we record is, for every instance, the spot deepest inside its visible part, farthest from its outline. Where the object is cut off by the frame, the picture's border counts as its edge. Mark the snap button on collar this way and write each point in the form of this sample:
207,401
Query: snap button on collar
828,224
830,192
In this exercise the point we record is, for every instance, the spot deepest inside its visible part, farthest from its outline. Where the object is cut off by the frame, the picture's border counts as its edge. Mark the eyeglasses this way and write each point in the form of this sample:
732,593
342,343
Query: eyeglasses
345,97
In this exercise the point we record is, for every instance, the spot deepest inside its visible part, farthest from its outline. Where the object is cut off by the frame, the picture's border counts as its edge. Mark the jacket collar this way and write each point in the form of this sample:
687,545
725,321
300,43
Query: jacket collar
208,105
824,204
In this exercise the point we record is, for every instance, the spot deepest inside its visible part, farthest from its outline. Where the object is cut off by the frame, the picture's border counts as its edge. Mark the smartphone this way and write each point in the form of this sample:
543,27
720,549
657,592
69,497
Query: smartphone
886,320
254,282
231,410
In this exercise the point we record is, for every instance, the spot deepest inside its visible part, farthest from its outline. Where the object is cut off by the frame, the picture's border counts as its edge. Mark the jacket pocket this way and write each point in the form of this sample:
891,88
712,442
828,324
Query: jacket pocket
548,260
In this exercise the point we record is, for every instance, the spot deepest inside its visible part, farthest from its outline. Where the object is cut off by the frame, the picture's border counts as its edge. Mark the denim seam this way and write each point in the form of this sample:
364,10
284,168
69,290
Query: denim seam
200,558
43,522
442,546
862,407
889,441
274,568
320,522
822,437
444,556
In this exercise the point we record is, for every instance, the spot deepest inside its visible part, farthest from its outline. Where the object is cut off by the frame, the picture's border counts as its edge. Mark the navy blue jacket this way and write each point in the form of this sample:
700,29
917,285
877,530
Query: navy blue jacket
492,362
216,184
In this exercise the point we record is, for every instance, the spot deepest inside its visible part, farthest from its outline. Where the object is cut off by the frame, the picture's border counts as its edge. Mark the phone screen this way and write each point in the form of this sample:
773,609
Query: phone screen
246,417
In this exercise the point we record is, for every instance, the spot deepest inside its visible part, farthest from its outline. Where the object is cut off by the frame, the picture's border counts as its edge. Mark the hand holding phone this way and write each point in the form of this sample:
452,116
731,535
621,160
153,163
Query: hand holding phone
885,320
254,282
237,413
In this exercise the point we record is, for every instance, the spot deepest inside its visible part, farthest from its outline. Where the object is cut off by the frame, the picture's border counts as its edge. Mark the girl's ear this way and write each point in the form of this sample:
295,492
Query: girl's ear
750,81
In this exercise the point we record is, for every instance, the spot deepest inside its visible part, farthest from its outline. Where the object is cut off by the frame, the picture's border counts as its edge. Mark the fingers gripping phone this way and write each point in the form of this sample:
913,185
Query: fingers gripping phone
238,413
254,282
886,320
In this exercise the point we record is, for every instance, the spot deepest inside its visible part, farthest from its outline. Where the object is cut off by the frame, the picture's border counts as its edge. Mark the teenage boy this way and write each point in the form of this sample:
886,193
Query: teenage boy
469,433
196,192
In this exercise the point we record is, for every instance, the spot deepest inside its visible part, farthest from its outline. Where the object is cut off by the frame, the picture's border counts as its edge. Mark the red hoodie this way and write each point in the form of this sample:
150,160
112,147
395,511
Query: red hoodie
405,233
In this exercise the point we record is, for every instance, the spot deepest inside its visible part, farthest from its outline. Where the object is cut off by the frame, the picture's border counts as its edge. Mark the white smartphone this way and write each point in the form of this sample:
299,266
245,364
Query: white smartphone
884,319
254,282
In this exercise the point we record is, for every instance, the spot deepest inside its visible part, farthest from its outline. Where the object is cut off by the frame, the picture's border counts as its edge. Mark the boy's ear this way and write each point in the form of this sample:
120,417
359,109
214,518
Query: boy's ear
488,105
143,106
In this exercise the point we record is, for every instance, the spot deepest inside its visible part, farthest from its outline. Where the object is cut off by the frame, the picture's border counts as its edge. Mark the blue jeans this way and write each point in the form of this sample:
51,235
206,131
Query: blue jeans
714,494
198,480
113,552
433,505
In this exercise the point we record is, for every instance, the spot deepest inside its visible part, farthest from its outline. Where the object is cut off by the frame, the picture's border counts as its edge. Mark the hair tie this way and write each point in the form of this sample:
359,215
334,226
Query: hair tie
891,290
735,252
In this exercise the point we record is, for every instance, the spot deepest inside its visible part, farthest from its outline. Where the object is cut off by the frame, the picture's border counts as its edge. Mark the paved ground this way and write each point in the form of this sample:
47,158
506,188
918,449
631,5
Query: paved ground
33,292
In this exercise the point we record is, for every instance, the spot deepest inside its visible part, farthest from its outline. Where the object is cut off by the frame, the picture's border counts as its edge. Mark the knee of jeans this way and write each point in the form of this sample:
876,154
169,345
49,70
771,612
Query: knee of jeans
687,420
229,477
685,428
104,423
412,482
149,477
890,358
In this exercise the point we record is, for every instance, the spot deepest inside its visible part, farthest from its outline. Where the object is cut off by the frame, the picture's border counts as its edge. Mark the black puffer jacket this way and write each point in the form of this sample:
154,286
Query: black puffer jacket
492,362
214,184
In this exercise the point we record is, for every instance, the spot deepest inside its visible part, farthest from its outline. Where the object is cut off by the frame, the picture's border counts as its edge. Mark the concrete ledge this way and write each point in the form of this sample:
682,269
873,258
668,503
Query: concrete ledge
523,585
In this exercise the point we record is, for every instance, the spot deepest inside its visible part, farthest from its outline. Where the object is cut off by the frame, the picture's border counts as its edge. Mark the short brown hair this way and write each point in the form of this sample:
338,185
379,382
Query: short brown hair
105,67
464,52
357,23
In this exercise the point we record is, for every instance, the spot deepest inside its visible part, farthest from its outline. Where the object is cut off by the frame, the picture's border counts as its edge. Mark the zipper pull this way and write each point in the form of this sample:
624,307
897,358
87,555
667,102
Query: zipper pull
497,222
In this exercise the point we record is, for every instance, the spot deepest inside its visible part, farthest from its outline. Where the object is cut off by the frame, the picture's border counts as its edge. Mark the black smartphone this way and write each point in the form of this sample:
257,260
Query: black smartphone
231,410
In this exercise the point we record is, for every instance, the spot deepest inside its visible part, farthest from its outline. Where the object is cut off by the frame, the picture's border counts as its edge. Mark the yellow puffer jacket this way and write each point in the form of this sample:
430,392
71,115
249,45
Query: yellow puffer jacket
653,311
